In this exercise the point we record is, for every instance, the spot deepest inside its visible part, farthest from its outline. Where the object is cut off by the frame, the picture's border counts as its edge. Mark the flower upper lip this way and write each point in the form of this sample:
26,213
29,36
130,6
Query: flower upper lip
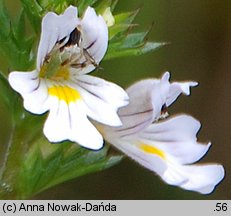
89,33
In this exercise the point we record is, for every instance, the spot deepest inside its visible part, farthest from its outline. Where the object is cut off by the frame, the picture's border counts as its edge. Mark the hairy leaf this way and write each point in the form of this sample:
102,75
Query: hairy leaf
34,13
47,165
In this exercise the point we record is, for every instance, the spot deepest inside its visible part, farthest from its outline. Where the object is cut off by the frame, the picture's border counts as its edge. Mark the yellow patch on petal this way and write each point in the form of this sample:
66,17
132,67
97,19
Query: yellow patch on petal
65,93
152,150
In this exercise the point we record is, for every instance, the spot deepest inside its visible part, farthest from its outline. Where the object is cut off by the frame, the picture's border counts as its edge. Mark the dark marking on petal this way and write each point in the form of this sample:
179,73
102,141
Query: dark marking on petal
90,92
68,108
62,40
88,83
37,87
91,44
74,38
35,78
164,109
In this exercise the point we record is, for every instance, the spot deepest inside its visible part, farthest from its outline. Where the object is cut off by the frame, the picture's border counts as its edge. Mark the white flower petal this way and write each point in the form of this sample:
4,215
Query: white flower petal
199,178
95,34
140,98
176,88
32,89
160,93
54,28
141,111
108,91
102,98
150,161
23,82
147,98
177,137
37,101
150,94
69,122
165,93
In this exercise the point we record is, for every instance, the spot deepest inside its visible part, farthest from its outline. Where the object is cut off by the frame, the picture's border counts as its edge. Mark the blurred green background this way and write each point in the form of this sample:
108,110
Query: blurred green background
199,33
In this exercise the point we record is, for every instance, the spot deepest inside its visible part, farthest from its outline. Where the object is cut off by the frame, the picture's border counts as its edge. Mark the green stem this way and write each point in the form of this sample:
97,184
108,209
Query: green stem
20,142
13,160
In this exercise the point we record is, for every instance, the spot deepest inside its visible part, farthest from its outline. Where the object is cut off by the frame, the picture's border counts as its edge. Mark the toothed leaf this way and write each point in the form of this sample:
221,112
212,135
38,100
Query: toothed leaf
82,5
123,22
6,92
102,5
47,165
115,50
34,13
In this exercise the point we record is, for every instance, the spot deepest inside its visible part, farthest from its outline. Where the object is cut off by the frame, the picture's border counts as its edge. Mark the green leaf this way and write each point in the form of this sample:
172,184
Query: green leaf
117,32
118,51
134,40
6,92
34,12
57,6
82,5
123,22
126,17
47,165
4,23
102,5
131,45
19,29
15,45
113,5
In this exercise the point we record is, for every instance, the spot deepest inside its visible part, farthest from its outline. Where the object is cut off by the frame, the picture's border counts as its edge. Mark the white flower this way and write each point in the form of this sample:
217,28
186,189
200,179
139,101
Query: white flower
166,146
69,48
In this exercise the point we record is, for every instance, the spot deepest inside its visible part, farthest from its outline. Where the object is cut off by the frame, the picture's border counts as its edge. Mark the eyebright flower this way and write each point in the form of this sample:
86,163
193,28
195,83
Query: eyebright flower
69,48
165,145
